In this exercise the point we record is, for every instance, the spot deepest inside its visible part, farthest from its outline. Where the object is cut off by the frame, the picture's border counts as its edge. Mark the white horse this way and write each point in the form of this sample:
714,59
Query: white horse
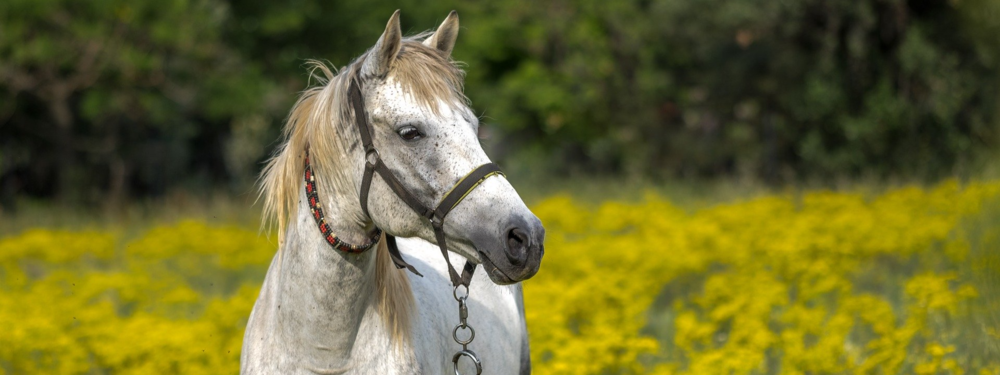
327,305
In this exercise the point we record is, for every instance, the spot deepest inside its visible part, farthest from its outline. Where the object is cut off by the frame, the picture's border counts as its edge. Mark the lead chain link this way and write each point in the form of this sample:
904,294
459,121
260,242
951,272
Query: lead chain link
463,315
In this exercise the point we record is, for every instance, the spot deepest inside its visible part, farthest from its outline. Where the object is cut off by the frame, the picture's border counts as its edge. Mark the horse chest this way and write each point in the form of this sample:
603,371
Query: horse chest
494,313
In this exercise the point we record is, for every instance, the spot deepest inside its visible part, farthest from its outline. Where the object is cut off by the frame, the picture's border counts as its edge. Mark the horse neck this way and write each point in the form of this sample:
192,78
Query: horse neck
325,293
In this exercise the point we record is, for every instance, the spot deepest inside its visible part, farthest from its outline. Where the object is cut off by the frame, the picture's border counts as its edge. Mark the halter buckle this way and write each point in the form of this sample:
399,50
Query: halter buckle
436,221
372,157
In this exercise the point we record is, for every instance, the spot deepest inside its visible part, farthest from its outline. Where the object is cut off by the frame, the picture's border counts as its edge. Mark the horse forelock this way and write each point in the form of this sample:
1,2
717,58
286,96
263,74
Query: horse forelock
427,75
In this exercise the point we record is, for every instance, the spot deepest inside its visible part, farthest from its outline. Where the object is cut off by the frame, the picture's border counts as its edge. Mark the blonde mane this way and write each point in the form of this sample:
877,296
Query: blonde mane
313,125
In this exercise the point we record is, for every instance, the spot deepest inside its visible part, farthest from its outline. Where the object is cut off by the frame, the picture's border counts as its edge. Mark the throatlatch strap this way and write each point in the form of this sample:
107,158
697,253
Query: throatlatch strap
366,184
397,258
373,163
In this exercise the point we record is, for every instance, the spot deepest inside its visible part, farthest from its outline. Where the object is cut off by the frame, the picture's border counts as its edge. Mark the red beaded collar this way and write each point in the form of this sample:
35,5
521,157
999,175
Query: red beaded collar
317,213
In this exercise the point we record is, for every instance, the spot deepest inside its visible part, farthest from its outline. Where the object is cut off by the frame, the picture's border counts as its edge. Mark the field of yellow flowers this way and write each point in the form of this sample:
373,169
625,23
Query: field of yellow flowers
905,282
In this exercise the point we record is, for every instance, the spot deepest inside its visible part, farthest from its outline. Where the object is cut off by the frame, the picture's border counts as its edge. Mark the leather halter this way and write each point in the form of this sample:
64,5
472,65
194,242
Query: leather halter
436,216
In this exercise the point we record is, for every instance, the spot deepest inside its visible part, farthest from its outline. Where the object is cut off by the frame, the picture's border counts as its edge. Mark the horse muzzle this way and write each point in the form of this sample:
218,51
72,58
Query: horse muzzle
513,253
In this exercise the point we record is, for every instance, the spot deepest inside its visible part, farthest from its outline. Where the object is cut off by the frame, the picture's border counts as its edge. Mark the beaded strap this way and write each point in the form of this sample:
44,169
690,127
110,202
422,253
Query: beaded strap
324,228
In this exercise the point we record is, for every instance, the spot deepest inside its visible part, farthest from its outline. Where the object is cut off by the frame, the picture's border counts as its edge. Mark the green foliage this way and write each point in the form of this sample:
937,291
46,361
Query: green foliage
775,89
111,97
106,95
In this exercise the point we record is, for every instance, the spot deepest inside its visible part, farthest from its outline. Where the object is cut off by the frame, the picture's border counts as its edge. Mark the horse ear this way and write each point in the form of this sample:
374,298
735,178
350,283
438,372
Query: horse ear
444,38
385,51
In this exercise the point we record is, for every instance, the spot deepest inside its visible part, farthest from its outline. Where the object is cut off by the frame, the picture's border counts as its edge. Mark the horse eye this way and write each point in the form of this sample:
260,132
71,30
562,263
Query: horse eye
409,133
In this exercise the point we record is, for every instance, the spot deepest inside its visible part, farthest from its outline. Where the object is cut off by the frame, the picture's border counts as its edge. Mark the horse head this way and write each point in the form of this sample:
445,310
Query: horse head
426,134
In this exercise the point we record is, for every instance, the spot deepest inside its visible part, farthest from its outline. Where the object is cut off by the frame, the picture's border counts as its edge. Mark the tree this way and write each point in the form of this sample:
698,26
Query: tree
104,95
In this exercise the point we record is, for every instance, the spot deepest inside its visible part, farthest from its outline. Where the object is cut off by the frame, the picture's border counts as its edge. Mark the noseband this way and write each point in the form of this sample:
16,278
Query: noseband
374,164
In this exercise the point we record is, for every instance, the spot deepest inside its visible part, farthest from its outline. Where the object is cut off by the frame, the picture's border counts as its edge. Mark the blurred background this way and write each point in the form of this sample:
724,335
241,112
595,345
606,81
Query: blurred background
126,126
104,101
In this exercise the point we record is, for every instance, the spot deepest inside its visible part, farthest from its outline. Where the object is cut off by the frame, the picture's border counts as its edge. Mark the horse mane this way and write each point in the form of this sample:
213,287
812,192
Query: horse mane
312,125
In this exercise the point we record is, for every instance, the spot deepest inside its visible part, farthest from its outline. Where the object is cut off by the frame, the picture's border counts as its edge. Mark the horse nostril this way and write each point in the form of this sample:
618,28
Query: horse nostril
517,246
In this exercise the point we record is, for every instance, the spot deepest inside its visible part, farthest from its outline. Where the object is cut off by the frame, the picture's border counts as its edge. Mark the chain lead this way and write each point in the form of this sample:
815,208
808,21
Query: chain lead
463,315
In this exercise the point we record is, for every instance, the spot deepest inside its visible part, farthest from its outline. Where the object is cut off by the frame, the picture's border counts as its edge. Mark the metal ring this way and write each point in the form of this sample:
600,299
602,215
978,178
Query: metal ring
372,157
472,356
472,334
455,292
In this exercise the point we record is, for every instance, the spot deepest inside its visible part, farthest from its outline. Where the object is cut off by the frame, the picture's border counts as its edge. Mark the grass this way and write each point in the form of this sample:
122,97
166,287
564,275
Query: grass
212,207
